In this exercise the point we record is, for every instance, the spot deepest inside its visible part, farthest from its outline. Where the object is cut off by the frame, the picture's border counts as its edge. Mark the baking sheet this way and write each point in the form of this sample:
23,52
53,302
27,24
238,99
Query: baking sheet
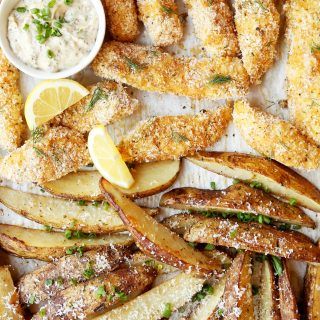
268,95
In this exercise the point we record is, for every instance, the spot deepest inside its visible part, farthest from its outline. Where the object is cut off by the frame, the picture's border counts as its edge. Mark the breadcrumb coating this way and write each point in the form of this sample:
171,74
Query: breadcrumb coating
173,137
148,68
303,67
161,19
258,24
44,158
12,125
214,26
275,138
122,19
107,103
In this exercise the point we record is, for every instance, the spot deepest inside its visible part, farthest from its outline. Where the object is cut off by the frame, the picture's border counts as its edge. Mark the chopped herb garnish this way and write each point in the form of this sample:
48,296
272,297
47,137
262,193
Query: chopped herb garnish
51,3
21,9
315,48
220,312
42,312
74,281
106,205
59,281
98,94
26,27
293,202
68,234
121,295
101,292
177,137
96,203
233,233
206,290
37,134
260,257
209,247
39,152
277,265
192,244
134,66
75,249
255,290
256,184
89,272
167,311
81,203
48,228
49,282
32,299
167,10
259,3
68,2
50,54
235,181
218,79
296,227
213,185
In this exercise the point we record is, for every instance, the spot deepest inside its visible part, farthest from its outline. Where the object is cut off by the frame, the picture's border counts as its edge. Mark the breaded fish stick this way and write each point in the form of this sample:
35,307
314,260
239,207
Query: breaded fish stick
12,126
257,24
122,19
149,69
275,138
172,137
107,102
303,67
161,19
214,26
46,156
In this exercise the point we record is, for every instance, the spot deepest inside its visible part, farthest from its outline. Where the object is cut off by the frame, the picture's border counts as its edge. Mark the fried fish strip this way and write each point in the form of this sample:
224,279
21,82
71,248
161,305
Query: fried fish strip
149,69
122,19
44,158
275,138
303,67
107,102
214,26
12,126
172,137
258,24
161,19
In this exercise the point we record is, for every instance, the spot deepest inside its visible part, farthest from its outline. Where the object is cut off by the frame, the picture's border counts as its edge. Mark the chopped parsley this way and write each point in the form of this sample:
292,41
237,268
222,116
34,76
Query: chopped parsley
277,265
22,9
206,290
37,134
213,185
49,282
121,295
75,249
42,312
68,2
101,292
167,311
106,206
293,202
32,299
59,281
81,203
98,94
89,272
219,79
192,244
74,281
167,10
235,181
50,54
209,247
48,228
96,203
233,233
26,27
68,234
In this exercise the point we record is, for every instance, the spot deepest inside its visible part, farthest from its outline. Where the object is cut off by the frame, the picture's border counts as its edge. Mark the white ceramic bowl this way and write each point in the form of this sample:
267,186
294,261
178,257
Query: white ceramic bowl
7,6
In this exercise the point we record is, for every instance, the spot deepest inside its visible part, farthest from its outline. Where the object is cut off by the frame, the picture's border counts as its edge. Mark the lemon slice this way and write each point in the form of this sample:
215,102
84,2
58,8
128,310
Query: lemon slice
49,98
107,158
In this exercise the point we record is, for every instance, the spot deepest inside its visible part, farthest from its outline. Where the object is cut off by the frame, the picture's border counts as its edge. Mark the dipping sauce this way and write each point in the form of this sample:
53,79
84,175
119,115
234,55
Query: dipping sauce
52,35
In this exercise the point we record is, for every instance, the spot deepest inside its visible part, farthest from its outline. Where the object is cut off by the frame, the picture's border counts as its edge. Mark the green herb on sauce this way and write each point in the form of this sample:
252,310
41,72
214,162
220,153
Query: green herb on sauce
50,54
167,311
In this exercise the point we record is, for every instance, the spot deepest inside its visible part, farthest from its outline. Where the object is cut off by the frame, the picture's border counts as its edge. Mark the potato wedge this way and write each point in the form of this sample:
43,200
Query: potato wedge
279,179
207,307
265,293
249,236
236,198
153,238
44,245
237,296
312,292
64,214
68,270
150,178
98,295
9,300
150,305
287,300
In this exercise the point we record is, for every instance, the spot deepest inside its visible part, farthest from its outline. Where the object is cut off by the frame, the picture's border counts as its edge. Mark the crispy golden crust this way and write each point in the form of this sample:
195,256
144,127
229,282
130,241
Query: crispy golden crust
161,19
303,67
287,300
172,137
275,138
257,24
214,26
107,103
122,19
12,125
59,152
312,292
236,198
100,294
237,297
68,269
149,69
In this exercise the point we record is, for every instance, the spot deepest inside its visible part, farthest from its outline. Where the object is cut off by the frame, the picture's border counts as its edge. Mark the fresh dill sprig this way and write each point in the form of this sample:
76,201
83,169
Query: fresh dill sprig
218,79
98,94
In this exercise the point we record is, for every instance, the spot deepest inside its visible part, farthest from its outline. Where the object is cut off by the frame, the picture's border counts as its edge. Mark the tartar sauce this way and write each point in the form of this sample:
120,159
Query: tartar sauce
52,35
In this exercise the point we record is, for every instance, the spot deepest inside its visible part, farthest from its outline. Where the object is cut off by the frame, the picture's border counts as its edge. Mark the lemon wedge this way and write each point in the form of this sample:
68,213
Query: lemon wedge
51,97
107,158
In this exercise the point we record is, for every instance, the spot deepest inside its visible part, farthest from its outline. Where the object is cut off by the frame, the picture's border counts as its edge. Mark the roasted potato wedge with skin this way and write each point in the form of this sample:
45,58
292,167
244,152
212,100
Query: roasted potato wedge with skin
237,297
150,305
44,245
249,236
9,300
154,239
236,198
275,138
67,270
64,214
150,178
312,292
287,300
279,179
98,295
267,297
